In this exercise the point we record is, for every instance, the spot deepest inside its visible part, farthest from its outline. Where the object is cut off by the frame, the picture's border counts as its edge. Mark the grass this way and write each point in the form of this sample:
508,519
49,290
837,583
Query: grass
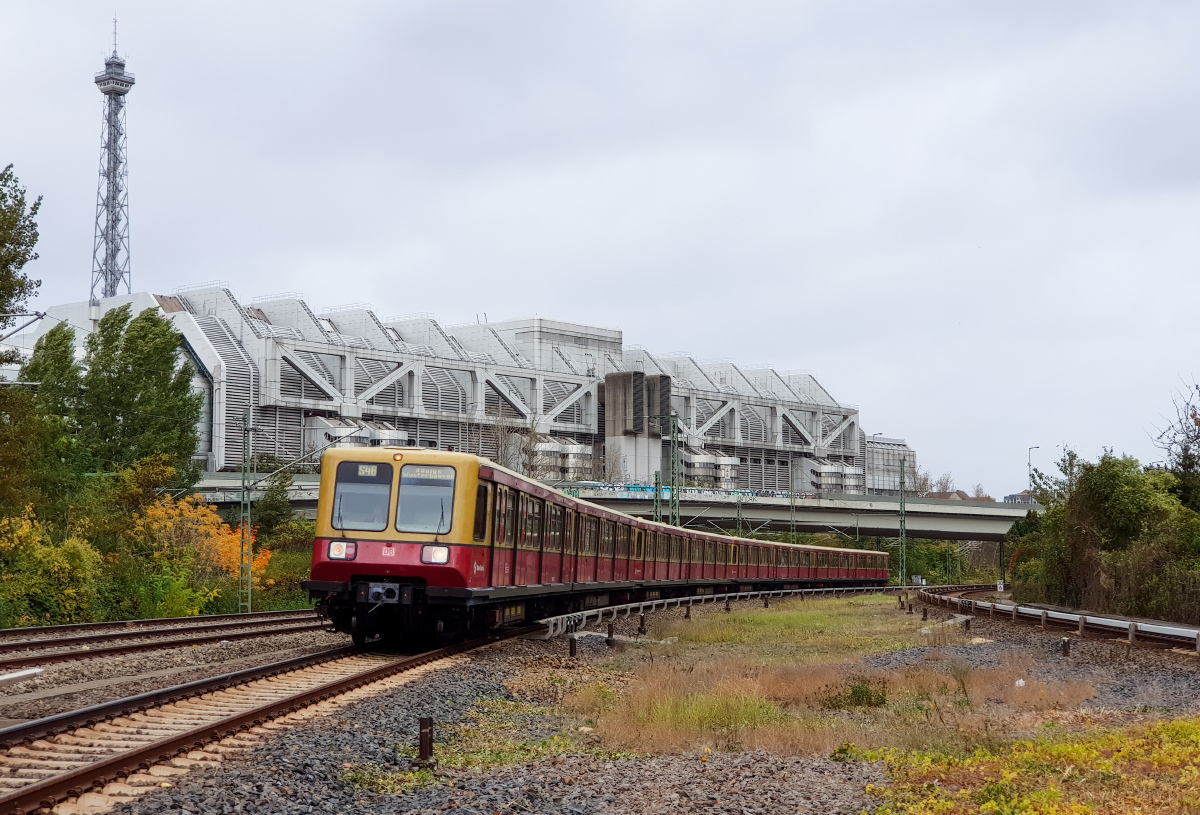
791,679
1146,768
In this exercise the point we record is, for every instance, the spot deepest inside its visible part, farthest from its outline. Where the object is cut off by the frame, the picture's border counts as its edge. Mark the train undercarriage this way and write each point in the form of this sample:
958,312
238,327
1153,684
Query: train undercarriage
412,614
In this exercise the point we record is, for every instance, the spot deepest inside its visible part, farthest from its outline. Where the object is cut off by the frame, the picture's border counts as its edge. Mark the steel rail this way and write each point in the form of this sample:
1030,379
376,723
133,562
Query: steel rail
10,646
38,630
47,793
49,726
40,658
1083,623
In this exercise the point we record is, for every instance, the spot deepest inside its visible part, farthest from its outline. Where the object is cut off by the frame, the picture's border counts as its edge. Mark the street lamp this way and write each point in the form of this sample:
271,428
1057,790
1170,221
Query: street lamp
1029,467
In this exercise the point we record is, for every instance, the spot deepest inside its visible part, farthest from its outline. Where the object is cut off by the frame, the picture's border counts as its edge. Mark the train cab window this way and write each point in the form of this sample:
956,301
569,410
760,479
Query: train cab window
362,496
426,502
481,513
607,529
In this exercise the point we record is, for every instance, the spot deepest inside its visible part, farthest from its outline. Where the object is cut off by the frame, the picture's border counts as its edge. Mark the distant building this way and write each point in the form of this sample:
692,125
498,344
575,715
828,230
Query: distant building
1022,497
559,401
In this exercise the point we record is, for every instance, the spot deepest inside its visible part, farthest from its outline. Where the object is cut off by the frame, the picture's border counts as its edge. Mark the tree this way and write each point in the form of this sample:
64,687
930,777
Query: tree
30,470
274,507
922,482
1180,441
58,375
943,483
136,399
979,493
18,237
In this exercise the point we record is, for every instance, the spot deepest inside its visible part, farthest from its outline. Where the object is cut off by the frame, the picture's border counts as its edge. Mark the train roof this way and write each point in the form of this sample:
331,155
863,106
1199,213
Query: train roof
346,453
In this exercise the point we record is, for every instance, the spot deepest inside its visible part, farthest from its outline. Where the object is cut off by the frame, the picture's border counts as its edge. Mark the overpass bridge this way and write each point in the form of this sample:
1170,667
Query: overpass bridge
853,515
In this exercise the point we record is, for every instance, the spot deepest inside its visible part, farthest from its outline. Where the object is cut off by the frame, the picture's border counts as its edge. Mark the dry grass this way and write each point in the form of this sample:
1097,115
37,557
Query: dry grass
791,680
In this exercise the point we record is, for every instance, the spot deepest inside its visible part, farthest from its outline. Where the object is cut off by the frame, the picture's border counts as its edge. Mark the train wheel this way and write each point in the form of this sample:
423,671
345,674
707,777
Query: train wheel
359,638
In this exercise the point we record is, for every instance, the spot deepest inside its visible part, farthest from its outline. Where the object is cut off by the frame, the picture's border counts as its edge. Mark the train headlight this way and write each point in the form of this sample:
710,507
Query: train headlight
342,550
435,554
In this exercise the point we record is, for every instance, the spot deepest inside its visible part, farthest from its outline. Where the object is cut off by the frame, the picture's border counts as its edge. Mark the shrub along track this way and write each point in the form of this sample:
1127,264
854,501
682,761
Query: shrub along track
108,753
66,647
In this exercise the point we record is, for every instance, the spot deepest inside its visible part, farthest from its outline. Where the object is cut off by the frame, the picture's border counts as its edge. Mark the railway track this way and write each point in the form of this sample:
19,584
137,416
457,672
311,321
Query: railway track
68,647
47,631
112,752
964,600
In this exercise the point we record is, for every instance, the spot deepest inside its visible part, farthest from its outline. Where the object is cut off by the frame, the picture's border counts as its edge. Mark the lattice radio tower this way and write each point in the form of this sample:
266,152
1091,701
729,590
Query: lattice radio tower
110,254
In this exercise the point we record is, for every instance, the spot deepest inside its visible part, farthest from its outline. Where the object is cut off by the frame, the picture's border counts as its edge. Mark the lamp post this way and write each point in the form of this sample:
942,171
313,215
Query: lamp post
1029,467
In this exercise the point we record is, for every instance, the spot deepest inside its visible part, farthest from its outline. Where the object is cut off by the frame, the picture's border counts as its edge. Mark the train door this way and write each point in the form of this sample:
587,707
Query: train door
503,537
570,559
604,563
621,558
552,551
589,534
637,557
529,541
710,560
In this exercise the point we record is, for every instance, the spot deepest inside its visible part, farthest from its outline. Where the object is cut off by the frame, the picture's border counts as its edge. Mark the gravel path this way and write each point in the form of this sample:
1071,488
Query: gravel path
31,699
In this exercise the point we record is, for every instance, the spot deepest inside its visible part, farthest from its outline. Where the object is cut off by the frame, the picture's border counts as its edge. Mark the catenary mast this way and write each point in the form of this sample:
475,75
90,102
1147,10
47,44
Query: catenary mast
110,254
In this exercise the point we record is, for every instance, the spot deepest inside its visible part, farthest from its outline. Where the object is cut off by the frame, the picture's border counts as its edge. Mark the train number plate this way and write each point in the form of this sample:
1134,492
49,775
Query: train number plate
389,551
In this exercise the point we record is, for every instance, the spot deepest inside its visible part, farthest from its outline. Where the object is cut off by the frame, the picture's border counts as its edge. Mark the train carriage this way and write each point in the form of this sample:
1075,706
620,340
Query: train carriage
420,542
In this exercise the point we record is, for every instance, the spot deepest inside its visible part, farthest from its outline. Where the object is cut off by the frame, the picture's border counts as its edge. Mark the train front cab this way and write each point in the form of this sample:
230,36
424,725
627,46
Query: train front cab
391,522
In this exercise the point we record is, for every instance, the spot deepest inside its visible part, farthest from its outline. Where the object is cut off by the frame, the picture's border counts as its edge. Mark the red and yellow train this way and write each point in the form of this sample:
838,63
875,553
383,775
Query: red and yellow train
416,542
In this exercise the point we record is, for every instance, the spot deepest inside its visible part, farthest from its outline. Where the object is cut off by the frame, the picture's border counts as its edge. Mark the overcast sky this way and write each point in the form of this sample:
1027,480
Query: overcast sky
975,221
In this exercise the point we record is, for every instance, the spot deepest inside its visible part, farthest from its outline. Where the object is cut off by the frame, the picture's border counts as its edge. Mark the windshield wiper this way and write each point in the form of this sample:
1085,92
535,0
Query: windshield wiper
442,518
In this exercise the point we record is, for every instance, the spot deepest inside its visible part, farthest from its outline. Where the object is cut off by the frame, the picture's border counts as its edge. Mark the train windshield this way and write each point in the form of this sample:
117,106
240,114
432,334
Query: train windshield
362,497
426,502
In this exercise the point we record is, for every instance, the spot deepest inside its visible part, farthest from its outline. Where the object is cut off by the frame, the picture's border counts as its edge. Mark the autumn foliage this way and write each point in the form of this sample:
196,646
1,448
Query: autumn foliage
180,530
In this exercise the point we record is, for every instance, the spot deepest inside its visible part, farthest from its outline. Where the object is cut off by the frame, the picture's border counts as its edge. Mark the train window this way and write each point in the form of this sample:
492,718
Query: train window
362,496
588,533
553,528
481,513
733,554
664,554
697,551
569,541
533,524
623,541
607,529
639,544
676,555
426,502
510,520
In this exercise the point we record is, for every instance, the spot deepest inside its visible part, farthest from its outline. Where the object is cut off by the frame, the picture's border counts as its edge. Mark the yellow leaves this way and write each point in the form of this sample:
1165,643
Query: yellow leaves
22,535
177,530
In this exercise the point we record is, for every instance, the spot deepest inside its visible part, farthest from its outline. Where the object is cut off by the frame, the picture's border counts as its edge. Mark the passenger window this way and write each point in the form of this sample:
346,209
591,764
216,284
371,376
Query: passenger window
510,521
569,532
607,529
362,496
481,513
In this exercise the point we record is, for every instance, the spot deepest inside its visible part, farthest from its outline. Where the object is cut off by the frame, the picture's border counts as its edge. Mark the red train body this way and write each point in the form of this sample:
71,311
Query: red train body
422,542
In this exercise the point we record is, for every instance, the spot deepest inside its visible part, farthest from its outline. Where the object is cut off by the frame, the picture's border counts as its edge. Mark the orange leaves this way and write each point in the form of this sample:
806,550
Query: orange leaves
181,530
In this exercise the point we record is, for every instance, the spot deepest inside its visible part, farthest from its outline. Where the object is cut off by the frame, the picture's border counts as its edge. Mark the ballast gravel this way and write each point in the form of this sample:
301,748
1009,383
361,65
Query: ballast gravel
128,670
1145,678
300,770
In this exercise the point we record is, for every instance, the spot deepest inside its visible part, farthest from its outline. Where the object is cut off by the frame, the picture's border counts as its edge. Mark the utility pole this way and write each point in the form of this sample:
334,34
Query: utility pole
739,515
673,473
246,557
903,536
658,496
1029,468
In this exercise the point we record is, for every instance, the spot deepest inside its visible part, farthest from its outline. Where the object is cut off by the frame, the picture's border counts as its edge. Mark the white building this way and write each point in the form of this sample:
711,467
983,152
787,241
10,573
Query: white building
530,393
